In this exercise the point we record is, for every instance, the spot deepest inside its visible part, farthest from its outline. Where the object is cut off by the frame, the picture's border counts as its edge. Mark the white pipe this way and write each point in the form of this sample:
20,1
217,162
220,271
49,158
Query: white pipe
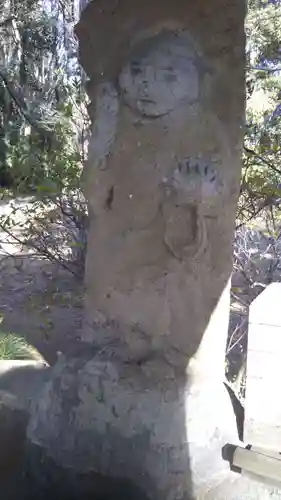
255,462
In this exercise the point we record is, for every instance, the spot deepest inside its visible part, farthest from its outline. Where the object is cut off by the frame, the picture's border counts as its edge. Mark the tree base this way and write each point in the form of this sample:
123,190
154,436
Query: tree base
43,479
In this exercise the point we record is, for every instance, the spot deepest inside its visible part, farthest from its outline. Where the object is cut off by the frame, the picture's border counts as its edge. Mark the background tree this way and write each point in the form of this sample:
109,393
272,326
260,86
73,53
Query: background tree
260,187
43,124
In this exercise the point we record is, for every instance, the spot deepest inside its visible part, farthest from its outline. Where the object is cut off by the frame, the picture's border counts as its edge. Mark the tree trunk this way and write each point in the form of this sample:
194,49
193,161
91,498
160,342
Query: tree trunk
162,181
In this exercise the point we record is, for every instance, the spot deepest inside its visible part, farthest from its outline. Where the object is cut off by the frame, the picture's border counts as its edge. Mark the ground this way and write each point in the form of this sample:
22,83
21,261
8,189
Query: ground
38,299
41,302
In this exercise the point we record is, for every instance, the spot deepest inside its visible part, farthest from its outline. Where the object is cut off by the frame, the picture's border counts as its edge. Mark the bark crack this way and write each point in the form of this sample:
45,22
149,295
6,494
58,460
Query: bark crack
109,199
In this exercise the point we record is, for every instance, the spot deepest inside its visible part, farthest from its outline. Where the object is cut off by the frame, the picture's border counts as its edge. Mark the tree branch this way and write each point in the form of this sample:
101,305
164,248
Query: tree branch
261,158
264,68
22,107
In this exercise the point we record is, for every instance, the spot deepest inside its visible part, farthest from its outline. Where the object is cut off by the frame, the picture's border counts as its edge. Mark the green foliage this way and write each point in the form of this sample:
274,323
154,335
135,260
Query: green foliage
42,104
261,179
14,347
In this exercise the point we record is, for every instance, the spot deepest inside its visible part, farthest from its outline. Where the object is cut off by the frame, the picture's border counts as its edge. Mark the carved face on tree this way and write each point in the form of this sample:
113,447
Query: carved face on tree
160,74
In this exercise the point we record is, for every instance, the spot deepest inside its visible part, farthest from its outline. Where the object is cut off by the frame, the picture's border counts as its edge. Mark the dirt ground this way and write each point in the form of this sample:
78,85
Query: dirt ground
38,299
40,302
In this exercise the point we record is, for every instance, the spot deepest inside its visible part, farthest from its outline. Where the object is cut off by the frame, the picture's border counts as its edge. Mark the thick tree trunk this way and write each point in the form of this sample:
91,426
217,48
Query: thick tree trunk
162,180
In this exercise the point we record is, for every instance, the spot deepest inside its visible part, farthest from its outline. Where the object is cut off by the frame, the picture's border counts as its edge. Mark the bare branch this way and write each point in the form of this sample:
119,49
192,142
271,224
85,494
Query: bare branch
264,68
22,107
261,158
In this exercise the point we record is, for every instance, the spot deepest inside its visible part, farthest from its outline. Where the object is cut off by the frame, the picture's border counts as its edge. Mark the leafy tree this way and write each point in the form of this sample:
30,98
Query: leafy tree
261,180
40,93
43,125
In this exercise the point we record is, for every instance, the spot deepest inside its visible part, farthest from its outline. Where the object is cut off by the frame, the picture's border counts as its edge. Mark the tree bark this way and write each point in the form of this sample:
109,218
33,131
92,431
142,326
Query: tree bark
166,82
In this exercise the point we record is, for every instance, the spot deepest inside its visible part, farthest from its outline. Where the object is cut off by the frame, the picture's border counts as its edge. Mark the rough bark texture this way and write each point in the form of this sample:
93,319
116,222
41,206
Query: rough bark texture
167,102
